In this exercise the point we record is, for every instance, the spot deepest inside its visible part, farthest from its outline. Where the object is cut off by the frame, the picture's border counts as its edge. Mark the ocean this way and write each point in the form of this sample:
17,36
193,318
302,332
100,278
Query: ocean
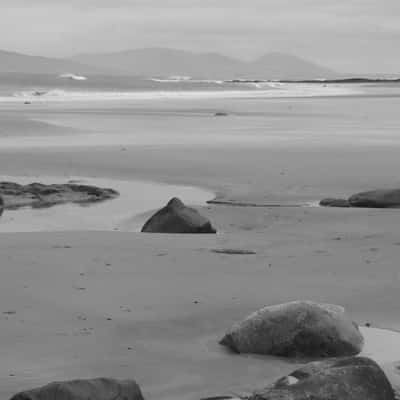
16,87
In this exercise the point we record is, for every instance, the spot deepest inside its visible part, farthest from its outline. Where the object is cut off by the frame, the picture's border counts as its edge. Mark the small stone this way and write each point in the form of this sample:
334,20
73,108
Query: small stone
234,251
291,380
221,114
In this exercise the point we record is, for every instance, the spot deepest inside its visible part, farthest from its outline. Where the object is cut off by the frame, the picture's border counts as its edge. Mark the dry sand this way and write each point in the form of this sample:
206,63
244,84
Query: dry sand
152,307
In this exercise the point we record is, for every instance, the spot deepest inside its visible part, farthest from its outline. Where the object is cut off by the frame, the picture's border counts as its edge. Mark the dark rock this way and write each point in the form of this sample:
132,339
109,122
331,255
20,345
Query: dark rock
175,217
234,251
93,389
334,203
1,205
221,114
221,398
384,198
296,329
352,378
39,195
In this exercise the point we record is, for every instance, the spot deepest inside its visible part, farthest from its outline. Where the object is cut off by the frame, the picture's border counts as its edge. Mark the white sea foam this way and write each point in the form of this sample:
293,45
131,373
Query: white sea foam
269,90
73,77
187,79
180,78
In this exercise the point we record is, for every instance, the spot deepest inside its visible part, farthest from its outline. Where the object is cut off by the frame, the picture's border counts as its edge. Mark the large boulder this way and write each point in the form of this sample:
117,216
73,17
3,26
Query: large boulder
296,329
92,389
353,378
384,198
175,217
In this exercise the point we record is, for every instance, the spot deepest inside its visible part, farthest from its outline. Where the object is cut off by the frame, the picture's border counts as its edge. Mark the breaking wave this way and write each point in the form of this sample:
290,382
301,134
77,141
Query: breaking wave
185,79
73,77
252,90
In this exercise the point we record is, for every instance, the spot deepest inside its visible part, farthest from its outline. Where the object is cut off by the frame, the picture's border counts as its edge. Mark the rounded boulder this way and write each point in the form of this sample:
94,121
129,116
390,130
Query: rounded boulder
296,329
91,389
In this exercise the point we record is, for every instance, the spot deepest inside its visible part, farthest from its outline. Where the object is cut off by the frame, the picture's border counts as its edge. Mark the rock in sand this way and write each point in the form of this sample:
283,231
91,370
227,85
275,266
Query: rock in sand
383,198
331,202
350,378
92,389
296,329
175,217
42,195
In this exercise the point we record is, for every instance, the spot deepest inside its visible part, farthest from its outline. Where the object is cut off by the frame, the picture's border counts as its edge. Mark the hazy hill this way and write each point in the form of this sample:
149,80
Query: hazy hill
16,62
284,66
161,62
166,62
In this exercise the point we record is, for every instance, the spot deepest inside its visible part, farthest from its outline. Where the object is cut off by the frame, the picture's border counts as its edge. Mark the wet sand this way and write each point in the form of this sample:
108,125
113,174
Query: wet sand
152,307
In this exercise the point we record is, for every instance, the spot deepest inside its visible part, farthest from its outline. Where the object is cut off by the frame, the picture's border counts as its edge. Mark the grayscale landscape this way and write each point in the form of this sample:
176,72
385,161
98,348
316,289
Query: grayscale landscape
199,201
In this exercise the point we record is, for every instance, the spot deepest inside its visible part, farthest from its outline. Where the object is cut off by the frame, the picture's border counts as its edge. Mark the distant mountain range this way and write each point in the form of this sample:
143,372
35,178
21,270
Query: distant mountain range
21,63
162,62
169,62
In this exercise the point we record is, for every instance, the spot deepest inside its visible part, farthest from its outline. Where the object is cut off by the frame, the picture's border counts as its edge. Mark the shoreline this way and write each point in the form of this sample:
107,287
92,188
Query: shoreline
254,91
152,307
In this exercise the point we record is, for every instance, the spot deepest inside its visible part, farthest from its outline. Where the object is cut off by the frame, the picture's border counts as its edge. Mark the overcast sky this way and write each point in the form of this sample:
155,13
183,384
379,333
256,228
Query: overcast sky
347,35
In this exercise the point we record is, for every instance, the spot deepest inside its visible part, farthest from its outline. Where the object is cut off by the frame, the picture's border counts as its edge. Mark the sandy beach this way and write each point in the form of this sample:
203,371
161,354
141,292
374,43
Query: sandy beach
153,307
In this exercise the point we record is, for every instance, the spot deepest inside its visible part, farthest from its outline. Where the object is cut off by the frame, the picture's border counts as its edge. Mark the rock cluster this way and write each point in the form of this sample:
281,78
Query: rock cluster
40,195
300,328
381,198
